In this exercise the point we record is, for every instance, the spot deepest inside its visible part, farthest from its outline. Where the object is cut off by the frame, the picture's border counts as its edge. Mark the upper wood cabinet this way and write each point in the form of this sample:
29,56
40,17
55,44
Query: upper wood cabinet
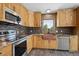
10,5
2,12
37,19
17,8
30,19
66,18
34,19
23,13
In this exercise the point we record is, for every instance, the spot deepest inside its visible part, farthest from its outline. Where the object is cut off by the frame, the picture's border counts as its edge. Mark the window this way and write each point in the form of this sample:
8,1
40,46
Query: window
48,26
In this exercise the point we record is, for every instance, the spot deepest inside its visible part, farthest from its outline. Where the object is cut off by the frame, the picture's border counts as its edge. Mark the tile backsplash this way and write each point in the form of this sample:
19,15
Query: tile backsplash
65,30
9,26
19,28
33,30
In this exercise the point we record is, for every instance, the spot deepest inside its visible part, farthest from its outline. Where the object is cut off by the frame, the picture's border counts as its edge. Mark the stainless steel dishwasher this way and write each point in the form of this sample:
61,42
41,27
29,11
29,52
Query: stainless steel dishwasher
63,42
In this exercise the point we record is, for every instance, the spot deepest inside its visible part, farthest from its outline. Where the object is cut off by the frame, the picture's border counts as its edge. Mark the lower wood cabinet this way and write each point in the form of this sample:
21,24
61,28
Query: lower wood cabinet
29,43
6,51
52,44
36,41
39,42
73,43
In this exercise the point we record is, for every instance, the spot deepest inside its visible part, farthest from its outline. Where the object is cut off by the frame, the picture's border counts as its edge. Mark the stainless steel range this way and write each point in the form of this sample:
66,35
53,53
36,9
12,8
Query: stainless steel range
19,47
19,43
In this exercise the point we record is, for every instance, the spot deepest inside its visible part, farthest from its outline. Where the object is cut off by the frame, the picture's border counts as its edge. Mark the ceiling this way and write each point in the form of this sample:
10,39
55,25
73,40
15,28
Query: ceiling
42,7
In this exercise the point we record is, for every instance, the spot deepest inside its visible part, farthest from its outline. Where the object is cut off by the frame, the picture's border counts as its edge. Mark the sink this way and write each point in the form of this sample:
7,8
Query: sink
49,37
19,37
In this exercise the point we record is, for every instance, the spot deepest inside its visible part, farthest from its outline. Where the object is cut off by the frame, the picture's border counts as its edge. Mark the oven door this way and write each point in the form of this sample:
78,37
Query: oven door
20,49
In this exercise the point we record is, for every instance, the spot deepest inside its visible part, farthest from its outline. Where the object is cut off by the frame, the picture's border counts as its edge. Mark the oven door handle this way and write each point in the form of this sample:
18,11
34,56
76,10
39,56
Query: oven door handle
20,41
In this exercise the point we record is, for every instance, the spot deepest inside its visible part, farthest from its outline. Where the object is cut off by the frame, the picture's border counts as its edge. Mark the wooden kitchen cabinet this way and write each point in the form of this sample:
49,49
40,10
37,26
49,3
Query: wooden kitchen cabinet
24,15
2,12
52,44
31,19
34,19
45,44
37,19
61,18
29,43
6,51
10,6
39,42
19,10
3,8
66,18
73,43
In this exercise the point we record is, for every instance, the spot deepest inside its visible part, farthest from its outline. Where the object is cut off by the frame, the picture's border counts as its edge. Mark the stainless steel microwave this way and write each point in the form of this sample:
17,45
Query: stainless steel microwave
9,16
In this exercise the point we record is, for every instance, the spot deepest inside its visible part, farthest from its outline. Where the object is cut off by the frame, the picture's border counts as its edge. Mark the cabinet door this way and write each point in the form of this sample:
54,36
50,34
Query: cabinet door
45,44
70,17
22,14
1,12
37,42
66,18
12,6
31,19
29,43
73,43
7,51
37,19
34,41
18,8
52,44
61,18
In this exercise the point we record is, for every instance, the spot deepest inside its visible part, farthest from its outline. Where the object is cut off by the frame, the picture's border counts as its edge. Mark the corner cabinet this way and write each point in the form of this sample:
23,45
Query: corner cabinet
66,18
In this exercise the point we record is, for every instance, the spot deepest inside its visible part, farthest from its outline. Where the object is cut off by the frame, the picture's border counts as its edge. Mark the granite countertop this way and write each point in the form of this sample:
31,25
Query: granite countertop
4,44
7,42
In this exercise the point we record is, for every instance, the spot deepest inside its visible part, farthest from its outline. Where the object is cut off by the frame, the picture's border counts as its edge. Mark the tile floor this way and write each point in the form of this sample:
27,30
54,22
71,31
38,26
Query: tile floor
47,52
